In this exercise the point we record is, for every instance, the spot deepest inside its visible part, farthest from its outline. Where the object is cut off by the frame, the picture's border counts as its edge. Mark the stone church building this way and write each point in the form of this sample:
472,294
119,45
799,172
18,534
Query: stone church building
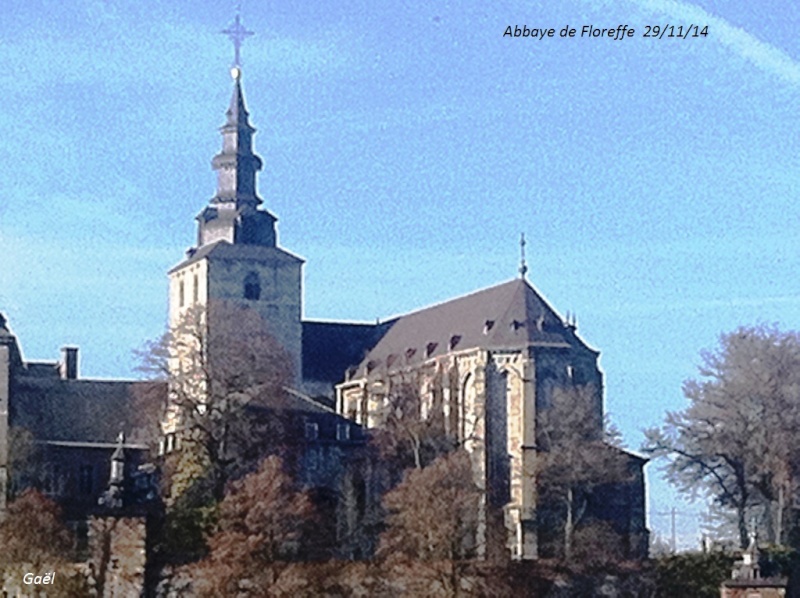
486,363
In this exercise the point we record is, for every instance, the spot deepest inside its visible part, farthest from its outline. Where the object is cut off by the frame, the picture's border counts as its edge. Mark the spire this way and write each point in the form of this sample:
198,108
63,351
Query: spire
112,498
523,267
236,164
118,462
233,214
237,113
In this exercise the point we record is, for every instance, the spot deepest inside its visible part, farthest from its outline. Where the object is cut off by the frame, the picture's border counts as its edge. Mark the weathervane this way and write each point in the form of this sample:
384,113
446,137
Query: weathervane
237,34
523,267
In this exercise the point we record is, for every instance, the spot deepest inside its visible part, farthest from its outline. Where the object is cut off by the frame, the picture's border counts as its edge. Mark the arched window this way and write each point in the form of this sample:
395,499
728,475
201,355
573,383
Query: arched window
252,287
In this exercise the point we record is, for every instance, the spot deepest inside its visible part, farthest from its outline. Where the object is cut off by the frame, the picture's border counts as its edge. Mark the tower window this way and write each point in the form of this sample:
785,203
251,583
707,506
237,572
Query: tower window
181,294
252,287
85,479
196,289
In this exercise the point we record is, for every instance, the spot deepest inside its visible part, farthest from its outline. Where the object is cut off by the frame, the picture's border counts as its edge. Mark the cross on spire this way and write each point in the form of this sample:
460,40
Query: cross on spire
523,267
237,34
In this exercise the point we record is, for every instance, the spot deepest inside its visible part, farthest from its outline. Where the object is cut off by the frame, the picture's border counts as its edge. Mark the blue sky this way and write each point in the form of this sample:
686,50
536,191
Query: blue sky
406,145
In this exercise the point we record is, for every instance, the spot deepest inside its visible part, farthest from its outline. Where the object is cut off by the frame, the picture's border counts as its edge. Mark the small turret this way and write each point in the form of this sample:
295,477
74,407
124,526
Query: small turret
112,497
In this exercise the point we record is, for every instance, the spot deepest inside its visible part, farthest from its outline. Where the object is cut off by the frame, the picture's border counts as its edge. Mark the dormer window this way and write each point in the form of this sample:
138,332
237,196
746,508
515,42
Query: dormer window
430,348
487,326
454,340
252,287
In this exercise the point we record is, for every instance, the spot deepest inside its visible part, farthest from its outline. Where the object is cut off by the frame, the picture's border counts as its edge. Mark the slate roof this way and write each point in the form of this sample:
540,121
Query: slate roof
509,315
72,410
223,250
330,348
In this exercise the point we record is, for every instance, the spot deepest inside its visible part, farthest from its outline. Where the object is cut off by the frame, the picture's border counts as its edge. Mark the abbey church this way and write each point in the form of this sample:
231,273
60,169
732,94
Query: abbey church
485,365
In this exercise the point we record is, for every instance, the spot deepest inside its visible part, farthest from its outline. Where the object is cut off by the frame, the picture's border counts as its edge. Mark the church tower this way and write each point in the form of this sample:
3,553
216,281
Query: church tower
237,259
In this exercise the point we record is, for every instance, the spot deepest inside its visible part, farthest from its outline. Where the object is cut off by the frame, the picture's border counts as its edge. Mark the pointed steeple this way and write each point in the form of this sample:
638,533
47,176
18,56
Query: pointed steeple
233,214
236,164
237,113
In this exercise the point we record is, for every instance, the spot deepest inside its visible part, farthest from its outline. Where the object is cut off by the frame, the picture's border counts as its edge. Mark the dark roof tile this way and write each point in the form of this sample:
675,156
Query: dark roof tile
72,410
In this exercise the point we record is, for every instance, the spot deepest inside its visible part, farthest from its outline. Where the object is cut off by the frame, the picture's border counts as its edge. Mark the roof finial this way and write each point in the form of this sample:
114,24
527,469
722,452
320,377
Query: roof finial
237,33
523,267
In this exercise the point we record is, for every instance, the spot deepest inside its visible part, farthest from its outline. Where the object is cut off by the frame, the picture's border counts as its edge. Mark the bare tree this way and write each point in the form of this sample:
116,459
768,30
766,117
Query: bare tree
737,441
410,433
224,370
576,456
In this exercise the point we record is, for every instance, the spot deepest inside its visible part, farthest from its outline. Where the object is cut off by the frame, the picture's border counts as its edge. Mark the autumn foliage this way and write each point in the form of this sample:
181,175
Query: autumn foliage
33,538
432,530
433,512
261,527
33,533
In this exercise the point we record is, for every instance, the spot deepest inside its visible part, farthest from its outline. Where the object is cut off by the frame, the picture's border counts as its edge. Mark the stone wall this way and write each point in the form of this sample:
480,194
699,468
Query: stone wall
117,555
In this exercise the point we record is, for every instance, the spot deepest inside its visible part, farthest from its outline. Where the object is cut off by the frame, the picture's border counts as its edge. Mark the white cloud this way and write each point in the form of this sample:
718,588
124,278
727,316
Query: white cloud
762,55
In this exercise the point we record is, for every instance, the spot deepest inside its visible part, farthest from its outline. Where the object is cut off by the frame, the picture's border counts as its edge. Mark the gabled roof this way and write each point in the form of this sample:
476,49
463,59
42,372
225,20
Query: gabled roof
509,315
223,250
330,348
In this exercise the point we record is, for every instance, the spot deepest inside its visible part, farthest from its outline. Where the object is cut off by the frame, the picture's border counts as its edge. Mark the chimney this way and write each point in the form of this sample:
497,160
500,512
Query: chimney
68,368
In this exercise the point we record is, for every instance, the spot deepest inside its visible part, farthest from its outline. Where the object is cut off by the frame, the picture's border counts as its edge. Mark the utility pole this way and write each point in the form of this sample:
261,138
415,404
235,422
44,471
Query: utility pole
674,541
673,514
